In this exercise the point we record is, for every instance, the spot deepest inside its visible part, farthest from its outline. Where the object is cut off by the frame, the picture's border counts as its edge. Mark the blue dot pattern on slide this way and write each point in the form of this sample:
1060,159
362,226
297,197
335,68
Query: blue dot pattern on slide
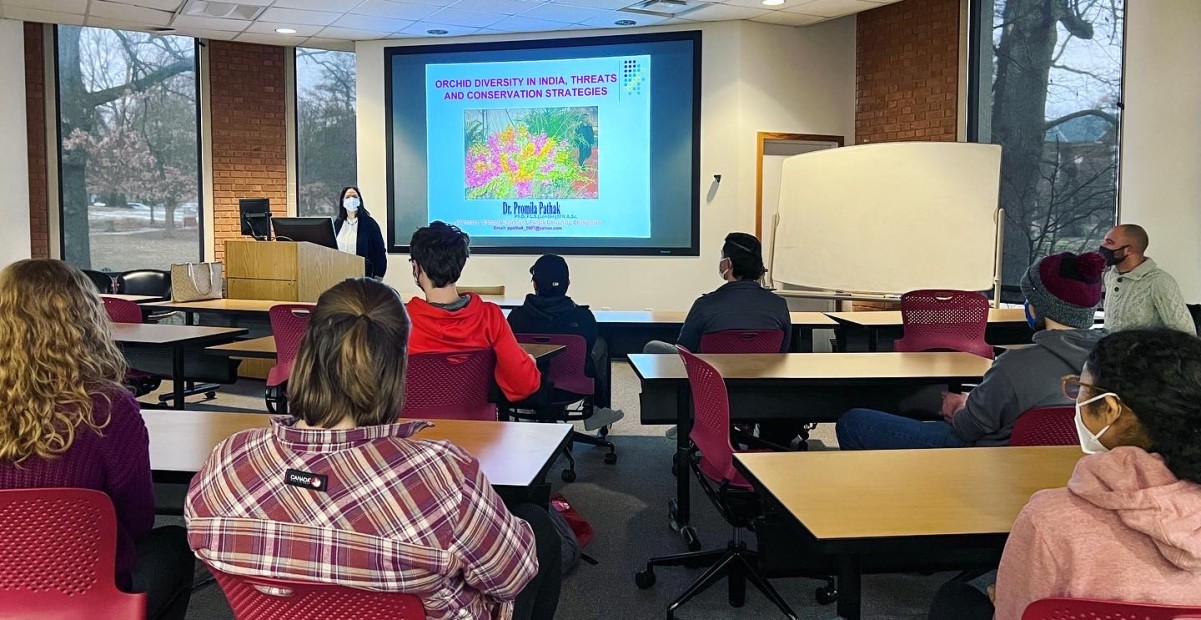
631,76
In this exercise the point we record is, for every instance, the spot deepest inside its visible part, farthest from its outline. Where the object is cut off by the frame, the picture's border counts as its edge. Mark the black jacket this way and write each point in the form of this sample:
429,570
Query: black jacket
370,244
736,305
556,315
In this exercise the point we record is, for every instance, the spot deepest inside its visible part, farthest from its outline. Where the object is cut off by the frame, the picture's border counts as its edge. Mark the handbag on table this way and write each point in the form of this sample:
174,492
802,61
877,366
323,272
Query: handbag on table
197,281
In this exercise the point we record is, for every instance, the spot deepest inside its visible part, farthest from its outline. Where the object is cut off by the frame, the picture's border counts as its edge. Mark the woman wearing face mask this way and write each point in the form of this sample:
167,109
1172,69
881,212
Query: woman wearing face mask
1128,525
358,232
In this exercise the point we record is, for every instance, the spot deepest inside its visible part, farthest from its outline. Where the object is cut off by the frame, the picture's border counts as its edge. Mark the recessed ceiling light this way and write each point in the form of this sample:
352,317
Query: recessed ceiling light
293,30
773,2
438,31
625,22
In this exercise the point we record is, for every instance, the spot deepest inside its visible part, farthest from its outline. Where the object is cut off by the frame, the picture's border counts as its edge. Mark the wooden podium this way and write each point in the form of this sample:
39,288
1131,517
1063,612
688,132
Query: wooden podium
285,270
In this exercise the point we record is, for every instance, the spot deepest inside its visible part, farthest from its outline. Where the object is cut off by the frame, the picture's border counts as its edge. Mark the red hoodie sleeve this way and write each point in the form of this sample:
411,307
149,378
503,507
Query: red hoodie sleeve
516,373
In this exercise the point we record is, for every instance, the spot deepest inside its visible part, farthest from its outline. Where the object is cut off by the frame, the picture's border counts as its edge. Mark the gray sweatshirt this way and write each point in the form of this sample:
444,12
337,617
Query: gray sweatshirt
1021,380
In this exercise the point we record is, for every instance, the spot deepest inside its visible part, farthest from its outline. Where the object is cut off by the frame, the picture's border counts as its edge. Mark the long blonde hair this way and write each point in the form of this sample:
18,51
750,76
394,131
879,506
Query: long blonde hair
57,352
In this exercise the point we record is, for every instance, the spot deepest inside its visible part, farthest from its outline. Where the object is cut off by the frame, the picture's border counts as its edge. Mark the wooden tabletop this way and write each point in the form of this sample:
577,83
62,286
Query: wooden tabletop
264,348
156,334
819,366
510,453
676,317
892,318
137,299
218,306
901,493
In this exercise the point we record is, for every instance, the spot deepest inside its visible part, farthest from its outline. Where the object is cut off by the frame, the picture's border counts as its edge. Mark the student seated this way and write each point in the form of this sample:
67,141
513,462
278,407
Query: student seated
1125,528
740,303
550,311
389,512
1062,292
446,321
68,422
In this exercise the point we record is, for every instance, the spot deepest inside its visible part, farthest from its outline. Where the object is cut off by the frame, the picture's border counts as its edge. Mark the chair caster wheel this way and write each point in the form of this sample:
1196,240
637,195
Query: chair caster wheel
611,458
826,595
644,579
210,395
690,538
568,475
603,432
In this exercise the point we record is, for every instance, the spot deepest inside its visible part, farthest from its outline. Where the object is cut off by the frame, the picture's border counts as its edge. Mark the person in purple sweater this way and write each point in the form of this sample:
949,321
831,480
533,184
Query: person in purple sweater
66,421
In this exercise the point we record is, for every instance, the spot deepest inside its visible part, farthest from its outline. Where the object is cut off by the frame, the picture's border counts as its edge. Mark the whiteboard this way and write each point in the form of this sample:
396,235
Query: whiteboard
889,218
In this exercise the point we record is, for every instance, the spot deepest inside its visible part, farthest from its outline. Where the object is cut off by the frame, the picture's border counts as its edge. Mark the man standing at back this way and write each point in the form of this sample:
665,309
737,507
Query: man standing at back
1138,294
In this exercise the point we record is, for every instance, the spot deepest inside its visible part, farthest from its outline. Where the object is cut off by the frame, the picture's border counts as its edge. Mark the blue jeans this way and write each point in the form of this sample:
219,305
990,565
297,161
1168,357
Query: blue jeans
867,429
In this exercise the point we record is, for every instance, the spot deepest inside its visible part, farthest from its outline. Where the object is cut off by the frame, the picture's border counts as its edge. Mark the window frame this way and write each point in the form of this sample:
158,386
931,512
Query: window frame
296,124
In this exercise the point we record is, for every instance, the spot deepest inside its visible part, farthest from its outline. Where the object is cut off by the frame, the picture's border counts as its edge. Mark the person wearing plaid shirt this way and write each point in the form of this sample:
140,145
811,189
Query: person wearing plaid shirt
342,493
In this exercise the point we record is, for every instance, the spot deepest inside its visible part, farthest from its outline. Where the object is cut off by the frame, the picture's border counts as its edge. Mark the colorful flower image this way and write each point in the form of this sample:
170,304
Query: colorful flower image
531,153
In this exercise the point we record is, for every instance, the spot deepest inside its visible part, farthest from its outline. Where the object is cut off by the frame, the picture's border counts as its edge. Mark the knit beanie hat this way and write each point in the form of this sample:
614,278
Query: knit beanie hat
1065,288
550,274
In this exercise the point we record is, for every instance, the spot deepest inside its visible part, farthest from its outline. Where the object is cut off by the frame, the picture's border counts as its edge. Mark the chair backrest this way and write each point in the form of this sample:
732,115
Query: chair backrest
944,320
1088,609
567,368
1046,426
262,598
482,290
711,415
288,324
450,386
743,341
151,282
59,557
122,310
103,281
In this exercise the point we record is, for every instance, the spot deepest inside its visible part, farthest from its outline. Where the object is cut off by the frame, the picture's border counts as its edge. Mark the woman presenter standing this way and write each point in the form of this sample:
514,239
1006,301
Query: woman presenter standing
359,233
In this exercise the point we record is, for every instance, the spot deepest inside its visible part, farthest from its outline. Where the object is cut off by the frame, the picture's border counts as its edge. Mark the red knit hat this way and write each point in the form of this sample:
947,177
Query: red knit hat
1065,288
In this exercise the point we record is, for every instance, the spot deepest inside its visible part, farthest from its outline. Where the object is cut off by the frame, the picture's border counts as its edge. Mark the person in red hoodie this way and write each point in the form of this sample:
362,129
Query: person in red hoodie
446,321
1128,525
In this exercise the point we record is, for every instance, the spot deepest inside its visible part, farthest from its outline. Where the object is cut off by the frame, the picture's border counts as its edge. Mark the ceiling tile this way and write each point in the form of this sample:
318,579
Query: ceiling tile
330,44
525,24
114,24
129,14
561,13
498,7
209,23
468,19
294,16
162,5
784,18
610,18
314,5
285,40
374,24
724,12
351,34
832,8
607,5
396,10
758,4
36,15
201,33
421,29
60,6
302,30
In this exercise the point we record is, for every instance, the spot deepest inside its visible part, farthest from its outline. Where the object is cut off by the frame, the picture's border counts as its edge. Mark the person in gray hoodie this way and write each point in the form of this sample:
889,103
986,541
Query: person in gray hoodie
1062,292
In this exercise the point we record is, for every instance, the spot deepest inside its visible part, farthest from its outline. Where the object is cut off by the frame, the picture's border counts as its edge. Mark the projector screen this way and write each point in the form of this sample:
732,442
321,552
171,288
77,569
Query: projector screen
574,146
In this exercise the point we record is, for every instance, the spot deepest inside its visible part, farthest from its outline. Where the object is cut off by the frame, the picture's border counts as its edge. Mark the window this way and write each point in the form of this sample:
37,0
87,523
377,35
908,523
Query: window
129,158
325,129
1046,85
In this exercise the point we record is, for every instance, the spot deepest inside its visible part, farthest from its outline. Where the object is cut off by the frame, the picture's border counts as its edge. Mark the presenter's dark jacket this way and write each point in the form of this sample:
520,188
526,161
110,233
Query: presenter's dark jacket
370,244
742,304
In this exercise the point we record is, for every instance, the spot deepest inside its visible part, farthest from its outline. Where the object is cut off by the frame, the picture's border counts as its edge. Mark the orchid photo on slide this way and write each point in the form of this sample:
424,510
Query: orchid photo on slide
531,153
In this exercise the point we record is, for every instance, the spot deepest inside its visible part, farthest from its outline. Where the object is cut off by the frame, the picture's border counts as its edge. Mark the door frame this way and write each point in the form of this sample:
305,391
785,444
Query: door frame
762,138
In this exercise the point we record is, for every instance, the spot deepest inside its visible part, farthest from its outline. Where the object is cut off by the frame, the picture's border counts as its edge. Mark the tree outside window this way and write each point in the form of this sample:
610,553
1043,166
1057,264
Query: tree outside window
1048,80
325,129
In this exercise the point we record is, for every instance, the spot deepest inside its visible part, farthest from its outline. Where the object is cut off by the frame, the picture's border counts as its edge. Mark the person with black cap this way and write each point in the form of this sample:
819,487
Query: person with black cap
548,310
1062,292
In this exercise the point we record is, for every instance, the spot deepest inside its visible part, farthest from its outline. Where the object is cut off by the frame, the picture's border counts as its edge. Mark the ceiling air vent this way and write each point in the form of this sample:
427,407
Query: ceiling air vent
227,10
664,8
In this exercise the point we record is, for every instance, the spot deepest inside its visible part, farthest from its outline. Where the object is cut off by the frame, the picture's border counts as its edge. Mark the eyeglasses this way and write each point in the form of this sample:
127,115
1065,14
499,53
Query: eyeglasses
1071,385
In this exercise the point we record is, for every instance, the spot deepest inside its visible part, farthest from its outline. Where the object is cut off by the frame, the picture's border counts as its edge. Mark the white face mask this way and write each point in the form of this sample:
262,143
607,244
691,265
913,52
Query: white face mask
1090,443
351,203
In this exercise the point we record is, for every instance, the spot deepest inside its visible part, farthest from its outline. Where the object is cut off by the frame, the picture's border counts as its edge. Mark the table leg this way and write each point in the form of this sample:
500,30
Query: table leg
683,484
177,380
850,576
873,339
802,340
189,318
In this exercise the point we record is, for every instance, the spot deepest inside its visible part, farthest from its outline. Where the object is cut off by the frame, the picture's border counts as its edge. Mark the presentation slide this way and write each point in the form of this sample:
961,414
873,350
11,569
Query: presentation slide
575,146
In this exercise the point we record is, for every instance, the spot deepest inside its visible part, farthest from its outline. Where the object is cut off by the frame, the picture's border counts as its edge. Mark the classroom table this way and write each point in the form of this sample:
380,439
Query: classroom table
1005,326
805,387
137,299
628,331
258,308
513,455
865,505
264,348
175,338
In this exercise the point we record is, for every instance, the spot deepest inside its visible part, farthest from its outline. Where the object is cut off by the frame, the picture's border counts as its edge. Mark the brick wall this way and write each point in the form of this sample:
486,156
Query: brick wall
35,119
248,132
907,72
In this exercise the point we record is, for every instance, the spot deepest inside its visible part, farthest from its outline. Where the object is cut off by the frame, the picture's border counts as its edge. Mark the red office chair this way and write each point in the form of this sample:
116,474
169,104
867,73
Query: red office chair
730,493
1046,426
743,341
59,553
1087,609
288,324
937,320
450,386
262,598
125,311
570,385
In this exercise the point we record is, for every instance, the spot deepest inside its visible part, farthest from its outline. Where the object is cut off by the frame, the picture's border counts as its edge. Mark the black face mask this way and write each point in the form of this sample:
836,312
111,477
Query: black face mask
1110,255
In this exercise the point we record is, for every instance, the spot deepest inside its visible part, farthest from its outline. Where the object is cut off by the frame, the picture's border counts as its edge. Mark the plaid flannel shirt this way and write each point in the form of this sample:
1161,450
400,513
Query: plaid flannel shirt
366,508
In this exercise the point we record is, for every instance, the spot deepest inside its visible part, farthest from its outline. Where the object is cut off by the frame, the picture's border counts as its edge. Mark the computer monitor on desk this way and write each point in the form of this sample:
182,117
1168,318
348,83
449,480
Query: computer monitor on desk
318,230
255,215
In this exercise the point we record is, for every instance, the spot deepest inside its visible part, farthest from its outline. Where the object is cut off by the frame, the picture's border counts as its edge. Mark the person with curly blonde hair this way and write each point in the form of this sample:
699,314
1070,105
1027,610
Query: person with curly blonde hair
66,421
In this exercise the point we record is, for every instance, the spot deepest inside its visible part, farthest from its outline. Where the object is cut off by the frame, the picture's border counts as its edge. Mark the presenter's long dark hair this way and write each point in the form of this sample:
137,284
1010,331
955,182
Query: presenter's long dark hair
363,212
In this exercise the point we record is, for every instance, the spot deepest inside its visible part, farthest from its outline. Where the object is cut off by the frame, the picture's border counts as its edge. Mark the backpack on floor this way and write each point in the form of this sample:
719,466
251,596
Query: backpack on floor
574,530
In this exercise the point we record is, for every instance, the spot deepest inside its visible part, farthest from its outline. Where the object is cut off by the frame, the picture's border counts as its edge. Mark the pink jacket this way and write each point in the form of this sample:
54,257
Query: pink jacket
1124,529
